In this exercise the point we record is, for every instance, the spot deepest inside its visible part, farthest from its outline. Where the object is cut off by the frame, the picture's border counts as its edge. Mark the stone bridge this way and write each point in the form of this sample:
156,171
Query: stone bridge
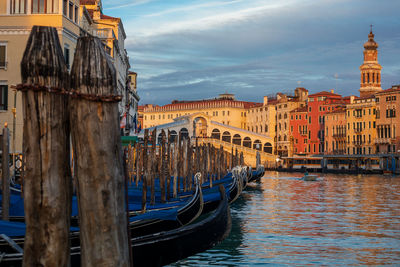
200,125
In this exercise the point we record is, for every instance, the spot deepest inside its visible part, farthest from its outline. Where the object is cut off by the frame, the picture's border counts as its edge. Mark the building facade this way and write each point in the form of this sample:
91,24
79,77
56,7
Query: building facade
387,120
261,118
318,105
335,131
16,21
285,104
361,126
299,130
72,19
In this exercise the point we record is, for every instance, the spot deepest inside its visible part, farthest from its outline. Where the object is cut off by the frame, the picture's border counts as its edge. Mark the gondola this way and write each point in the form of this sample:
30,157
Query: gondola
170,246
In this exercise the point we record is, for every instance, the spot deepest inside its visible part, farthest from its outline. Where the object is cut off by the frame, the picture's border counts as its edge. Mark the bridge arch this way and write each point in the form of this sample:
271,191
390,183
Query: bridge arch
172,136
216,134
268,148
226,136
237,139
257,145
200,126
159,138
247,142
184,133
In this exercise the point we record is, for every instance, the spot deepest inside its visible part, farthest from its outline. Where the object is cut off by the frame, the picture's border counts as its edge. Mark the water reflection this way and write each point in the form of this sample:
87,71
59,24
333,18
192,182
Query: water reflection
339,219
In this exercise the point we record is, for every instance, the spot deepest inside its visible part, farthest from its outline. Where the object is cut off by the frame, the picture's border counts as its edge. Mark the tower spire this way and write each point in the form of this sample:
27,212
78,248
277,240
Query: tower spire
370,69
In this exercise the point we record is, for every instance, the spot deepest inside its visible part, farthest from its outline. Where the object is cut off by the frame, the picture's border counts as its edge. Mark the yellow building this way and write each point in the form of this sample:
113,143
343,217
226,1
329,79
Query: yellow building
16,21
361,125
224,109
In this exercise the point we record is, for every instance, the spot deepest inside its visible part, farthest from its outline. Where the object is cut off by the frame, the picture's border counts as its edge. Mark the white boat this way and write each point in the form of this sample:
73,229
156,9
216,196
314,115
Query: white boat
310,177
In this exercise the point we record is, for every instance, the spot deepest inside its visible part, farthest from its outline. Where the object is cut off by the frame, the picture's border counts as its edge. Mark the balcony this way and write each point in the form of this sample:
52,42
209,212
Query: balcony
104,33
358,143
303,133
339,135
384,141
358,130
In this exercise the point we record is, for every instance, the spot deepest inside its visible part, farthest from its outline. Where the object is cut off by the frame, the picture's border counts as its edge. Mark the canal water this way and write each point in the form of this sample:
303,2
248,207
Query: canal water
336,220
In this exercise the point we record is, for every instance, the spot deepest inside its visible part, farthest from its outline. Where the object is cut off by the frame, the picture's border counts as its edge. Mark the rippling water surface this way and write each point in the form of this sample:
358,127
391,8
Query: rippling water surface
337,220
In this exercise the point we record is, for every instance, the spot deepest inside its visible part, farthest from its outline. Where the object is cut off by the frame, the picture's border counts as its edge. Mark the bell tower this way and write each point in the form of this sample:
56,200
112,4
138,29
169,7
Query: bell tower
370,69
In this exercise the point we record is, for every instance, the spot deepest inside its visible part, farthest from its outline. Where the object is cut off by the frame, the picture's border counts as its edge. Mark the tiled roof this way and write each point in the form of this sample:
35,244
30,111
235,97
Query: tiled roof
325,93
87,2
301,109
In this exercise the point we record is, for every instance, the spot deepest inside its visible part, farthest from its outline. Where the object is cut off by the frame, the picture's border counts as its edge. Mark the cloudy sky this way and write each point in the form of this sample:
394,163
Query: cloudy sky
195,49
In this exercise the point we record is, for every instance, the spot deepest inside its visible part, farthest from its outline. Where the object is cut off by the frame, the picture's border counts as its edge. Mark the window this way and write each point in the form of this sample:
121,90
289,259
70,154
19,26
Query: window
76,14
71,11
18,6
3,96
65,7
66,56
3,56
43,6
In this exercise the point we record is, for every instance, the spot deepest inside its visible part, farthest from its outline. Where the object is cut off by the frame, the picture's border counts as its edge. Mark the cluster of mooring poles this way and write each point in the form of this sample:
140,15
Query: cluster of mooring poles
82,107
173,164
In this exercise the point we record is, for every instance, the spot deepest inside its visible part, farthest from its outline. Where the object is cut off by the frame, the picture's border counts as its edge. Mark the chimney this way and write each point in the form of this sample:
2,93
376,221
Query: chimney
351,99
332,91
265,100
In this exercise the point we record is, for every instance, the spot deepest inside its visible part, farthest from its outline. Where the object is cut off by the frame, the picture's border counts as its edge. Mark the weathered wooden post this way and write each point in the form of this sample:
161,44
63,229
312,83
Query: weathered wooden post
97,144
139,153
164,167
146,165
169,166
47,183
175,168
153,161
5,166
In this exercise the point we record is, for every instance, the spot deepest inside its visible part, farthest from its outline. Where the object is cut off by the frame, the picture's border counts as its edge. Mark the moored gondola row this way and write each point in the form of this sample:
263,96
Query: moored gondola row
198,212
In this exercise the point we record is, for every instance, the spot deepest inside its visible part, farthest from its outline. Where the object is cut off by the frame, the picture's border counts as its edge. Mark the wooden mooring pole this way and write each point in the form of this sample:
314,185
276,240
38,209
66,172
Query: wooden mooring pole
47,183
97,144
5,167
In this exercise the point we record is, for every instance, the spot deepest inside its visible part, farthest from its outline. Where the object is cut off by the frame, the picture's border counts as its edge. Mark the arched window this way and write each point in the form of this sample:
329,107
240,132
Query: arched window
172,136
368,77
285,116
184,133
363,77
284,138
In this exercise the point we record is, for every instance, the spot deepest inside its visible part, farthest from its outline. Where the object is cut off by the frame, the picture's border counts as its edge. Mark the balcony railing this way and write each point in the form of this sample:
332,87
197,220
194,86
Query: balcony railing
358,130
304,133
358,143
382,141
339,135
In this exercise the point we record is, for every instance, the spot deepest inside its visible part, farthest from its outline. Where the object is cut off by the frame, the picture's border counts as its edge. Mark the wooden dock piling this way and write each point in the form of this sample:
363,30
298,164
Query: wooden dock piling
100,182
5,166
47,182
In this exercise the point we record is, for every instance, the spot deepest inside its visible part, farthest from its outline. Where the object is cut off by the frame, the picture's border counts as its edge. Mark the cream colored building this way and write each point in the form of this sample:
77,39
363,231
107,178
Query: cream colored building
224,109
285,104
71,18
16,21
261,118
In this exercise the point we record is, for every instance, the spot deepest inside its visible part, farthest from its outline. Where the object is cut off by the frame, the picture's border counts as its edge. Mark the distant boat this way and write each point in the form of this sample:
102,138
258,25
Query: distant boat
310,177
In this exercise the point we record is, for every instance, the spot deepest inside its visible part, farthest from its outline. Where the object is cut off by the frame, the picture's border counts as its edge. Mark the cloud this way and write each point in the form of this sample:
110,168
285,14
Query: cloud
197,49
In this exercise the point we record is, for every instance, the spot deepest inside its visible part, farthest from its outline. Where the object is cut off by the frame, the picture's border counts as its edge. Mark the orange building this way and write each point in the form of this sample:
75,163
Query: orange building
335,131
318,105
299,130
